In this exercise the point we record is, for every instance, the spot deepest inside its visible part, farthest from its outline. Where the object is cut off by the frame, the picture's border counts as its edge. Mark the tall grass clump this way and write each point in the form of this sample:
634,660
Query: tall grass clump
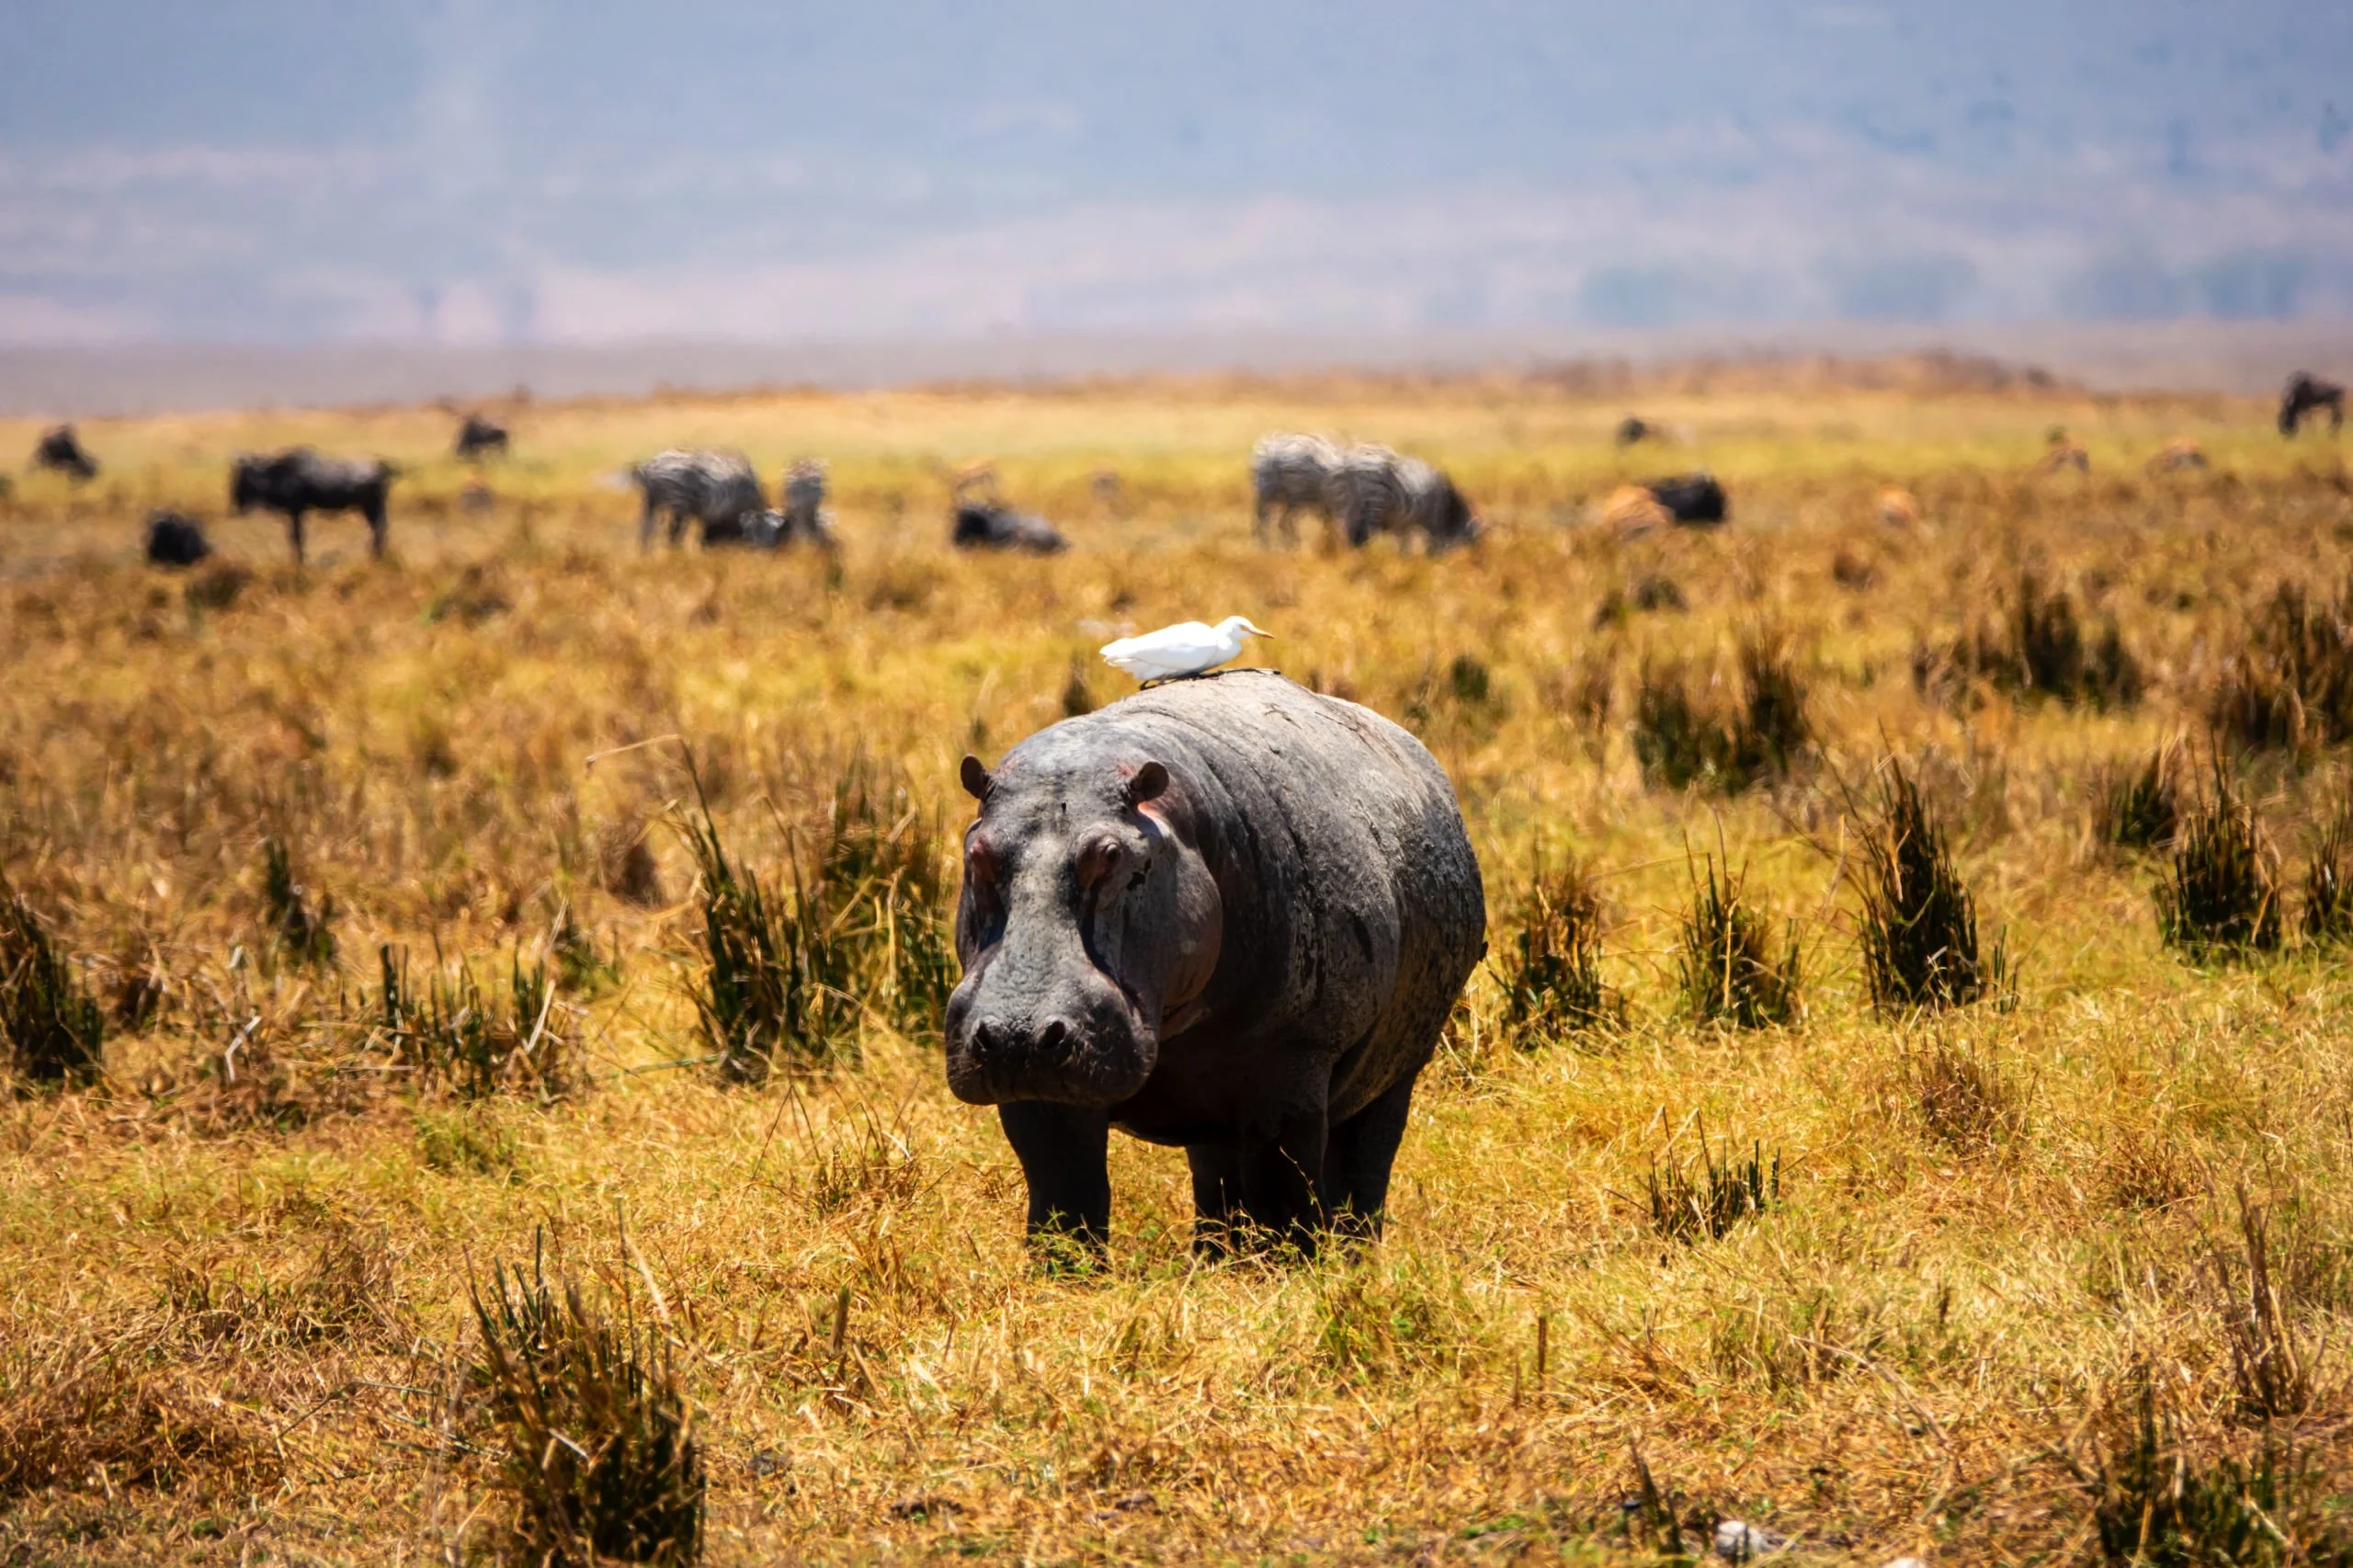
773,989
302,934
865,930
1552,977
882,879
2328,893
1683,738
2163,1500
2221,898
2140,808
1725,966
1705,1198
1919,922
594,1433
454,1034
2289,685
2040,650
51,1029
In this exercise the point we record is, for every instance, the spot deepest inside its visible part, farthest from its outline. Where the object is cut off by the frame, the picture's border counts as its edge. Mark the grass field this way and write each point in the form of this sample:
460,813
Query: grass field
2062,1274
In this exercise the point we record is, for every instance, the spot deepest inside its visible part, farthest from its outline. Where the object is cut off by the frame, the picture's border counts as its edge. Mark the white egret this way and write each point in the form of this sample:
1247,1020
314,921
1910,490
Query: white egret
1185,649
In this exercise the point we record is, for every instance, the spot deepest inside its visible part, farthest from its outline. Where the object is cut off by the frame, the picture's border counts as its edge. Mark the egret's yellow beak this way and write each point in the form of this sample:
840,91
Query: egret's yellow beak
1255,631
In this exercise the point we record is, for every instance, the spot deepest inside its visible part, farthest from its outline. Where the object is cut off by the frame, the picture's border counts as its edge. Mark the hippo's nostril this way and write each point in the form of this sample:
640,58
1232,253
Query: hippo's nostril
1051,1038
988,1040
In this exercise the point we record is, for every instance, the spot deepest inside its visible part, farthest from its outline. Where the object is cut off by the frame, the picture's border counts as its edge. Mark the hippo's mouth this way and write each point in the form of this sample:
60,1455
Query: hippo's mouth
1096,1062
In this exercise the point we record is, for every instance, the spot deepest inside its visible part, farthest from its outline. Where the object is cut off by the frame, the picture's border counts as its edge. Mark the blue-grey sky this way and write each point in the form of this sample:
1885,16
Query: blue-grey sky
477,171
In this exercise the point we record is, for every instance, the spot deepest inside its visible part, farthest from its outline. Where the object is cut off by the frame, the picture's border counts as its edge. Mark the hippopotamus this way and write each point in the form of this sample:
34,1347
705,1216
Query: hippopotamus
1226,914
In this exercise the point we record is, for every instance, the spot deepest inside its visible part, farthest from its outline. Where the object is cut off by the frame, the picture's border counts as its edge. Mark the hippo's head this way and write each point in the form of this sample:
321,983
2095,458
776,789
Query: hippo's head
1088,925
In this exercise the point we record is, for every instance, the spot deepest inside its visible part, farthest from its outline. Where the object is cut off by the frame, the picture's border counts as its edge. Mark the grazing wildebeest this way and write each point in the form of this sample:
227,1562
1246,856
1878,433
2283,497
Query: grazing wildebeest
1632,428
479,437
2307,394
174,539
61,449
1228,915
1290,474
977,524
717,490
1690,497
299,480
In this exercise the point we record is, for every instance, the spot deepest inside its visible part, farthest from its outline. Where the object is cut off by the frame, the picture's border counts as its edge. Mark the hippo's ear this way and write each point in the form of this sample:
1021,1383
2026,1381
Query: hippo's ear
975,778
1149,781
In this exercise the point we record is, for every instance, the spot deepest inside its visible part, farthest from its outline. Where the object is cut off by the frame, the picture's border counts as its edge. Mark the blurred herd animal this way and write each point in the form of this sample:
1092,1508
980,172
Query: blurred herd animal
299,481
2180,455
717,491
976,523
479,437
1290,474
60,450
1633,429
1899,508
1361,491
2308,394
174,539
804,517
2062,451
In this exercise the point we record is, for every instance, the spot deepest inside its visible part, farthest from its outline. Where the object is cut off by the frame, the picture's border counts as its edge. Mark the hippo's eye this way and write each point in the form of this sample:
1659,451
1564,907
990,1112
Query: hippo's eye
983,866
1100,860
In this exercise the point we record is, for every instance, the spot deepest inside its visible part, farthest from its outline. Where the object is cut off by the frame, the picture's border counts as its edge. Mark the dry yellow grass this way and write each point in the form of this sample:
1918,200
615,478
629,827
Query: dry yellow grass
234,1323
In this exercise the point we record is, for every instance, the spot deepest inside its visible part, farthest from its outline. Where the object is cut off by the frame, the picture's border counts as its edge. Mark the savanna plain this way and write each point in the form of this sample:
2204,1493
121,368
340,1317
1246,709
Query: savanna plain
472,1074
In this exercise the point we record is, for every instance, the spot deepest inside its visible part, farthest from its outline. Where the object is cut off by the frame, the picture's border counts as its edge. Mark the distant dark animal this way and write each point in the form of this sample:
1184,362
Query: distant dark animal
2307,394
1690,497
297,482
175,540
1631,429
991,524
1290,474
1229,914
61,450
716,490
478,437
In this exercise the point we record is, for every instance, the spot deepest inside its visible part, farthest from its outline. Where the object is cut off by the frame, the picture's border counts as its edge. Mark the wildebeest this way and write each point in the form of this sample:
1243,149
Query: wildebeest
1227,914
478,436
299,481
174,539
1633,429
978,524
61,450
716,490
2307,394
1692,498
1290,474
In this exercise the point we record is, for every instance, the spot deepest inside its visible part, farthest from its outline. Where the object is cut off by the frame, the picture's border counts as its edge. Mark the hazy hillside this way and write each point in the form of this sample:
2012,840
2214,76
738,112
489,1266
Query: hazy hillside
471,173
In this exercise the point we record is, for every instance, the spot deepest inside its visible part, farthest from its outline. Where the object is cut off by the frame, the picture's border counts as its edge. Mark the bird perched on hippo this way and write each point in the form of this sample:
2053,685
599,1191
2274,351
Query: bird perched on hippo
1225,913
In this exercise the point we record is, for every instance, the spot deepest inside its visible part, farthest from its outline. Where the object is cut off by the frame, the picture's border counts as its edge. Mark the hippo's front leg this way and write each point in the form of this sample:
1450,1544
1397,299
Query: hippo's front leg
1063,1151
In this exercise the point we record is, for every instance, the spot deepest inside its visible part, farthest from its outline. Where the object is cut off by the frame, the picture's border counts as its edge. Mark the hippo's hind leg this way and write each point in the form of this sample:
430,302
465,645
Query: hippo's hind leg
1265,1191
1358,1159
1063,1151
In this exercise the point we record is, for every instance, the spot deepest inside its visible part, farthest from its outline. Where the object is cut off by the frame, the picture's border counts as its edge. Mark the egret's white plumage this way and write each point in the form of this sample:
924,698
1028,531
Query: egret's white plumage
1185,649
